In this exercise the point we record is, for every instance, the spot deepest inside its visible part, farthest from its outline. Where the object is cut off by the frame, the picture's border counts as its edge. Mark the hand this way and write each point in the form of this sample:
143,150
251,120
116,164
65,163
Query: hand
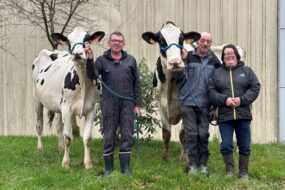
88,50
184,54
236,101
137,110
230,102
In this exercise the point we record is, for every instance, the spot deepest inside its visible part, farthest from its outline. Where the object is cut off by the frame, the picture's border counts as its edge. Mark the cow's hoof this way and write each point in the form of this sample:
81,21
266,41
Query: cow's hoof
40,149
183,158
65,164
165,156
88,165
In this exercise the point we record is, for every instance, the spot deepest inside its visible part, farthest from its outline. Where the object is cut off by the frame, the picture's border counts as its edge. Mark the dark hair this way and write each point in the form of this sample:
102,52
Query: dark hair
117,33
232,47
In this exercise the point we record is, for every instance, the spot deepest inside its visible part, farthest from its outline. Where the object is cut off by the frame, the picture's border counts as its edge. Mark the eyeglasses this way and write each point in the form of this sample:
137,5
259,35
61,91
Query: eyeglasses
117,41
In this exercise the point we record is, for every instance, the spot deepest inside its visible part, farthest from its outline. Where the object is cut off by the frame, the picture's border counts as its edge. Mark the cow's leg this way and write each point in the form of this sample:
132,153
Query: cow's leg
87,138
39,111
67,131
59,130
183,155
166,134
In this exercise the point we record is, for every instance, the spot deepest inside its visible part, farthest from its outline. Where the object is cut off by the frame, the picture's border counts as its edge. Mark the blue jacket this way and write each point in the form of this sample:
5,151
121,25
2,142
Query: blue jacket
193,80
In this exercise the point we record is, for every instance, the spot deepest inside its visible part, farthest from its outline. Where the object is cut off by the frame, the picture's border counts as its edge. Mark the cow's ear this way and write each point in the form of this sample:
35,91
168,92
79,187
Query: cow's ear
150,37
59,38
191,37
97,36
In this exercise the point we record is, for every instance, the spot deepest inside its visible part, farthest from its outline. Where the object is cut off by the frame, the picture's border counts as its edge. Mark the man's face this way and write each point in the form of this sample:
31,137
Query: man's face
116,43
204,43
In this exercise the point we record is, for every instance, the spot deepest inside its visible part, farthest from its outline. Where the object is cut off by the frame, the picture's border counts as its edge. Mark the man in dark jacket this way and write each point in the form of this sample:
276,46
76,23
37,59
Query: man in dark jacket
233,88
118,70
193,97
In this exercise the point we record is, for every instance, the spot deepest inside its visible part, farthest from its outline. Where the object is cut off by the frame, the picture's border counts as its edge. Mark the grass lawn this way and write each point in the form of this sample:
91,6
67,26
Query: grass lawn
22,167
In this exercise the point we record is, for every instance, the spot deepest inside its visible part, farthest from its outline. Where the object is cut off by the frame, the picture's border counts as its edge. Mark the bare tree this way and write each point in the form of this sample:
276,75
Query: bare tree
54,15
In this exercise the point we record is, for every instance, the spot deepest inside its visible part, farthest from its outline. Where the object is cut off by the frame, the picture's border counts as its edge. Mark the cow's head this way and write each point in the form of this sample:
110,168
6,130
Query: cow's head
75,41
170,40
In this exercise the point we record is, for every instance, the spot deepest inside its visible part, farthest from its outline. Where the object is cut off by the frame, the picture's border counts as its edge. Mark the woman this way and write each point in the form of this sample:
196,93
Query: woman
233,87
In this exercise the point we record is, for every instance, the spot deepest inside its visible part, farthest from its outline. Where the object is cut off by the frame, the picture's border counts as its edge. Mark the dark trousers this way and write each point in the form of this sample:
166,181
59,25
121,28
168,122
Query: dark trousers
242,130
122,117
196,125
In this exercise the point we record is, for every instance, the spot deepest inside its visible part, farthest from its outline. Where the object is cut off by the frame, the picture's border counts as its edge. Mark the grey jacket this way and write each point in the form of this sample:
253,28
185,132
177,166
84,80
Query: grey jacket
193,80
244,85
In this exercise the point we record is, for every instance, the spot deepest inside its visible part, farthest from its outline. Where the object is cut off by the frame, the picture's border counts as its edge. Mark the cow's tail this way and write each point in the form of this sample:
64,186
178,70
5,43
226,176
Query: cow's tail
50,115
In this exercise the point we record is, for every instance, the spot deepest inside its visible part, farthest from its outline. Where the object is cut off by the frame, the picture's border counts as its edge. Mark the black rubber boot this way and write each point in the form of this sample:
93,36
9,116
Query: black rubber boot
109,164
243,166
125,163
229,164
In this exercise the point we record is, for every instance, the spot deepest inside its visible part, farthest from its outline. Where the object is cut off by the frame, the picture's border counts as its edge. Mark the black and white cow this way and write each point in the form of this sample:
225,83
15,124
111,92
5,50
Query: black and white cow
170,39
62,86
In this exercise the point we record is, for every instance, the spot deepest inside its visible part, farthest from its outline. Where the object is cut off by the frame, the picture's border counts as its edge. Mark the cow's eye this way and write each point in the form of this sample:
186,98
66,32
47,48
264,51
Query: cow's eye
162,42
181,39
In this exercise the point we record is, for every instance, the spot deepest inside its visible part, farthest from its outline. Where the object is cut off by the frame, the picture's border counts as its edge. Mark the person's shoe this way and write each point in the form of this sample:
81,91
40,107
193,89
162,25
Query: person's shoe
229,164
125,163
243,166
192,169
109,164
203,169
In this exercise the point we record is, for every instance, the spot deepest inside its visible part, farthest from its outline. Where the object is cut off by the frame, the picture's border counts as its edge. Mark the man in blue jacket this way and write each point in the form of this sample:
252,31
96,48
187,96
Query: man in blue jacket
193,97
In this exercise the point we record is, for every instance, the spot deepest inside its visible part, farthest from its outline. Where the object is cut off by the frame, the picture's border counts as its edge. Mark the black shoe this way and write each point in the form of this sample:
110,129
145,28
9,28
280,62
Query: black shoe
125,163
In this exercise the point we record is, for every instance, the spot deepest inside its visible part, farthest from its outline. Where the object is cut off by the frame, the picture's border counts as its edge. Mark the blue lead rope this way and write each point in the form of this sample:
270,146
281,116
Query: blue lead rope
129,99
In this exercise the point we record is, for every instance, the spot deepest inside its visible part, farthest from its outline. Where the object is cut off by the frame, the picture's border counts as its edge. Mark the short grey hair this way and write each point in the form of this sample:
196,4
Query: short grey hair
117,33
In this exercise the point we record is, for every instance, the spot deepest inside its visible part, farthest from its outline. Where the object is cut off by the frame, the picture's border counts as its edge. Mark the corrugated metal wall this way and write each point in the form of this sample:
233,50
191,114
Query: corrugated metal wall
252,25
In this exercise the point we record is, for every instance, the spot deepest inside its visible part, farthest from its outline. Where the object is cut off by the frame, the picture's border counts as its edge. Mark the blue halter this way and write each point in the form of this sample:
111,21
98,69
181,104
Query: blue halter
70,50
166,48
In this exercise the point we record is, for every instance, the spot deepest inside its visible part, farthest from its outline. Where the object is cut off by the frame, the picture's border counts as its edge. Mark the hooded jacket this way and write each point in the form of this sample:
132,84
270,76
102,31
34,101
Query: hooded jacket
122,76
193,80
239,81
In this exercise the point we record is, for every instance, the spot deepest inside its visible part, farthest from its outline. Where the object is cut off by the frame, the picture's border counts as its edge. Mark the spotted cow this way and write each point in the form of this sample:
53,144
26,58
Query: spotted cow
62,86
171,40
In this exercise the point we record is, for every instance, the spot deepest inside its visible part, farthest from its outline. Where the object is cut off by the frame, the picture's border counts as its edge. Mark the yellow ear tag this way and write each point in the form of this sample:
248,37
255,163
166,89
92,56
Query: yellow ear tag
96,40
188,41
152,41
61,42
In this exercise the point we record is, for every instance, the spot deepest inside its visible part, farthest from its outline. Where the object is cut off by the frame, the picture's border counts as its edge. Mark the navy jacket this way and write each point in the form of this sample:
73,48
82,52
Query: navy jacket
244,85
122,77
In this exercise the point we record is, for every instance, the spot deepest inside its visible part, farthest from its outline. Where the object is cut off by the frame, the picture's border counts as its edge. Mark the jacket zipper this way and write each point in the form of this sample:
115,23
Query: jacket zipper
233,93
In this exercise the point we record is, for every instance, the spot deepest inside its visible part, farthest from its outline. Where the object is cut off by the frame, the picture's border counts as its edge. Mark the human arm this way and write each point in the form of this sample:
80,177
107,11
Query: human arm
90,65
254,88
137,89
216,98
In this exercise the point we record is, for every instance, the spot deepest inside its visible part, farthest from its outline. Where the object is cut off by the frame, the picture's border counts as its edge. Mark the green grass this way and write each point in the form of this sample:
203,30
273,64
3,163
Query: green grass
22,167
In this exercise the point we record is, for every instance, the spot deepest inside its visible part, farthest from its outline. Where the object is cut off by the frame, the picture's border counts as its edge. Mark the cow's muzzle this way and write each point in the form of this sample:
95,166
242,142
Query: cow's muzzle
175,64
78,56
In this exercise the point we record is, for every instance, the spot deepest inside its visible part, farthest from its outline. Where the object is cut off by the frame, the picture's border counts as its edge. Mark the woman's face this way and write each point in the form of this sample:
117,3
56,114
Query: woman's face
230,58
